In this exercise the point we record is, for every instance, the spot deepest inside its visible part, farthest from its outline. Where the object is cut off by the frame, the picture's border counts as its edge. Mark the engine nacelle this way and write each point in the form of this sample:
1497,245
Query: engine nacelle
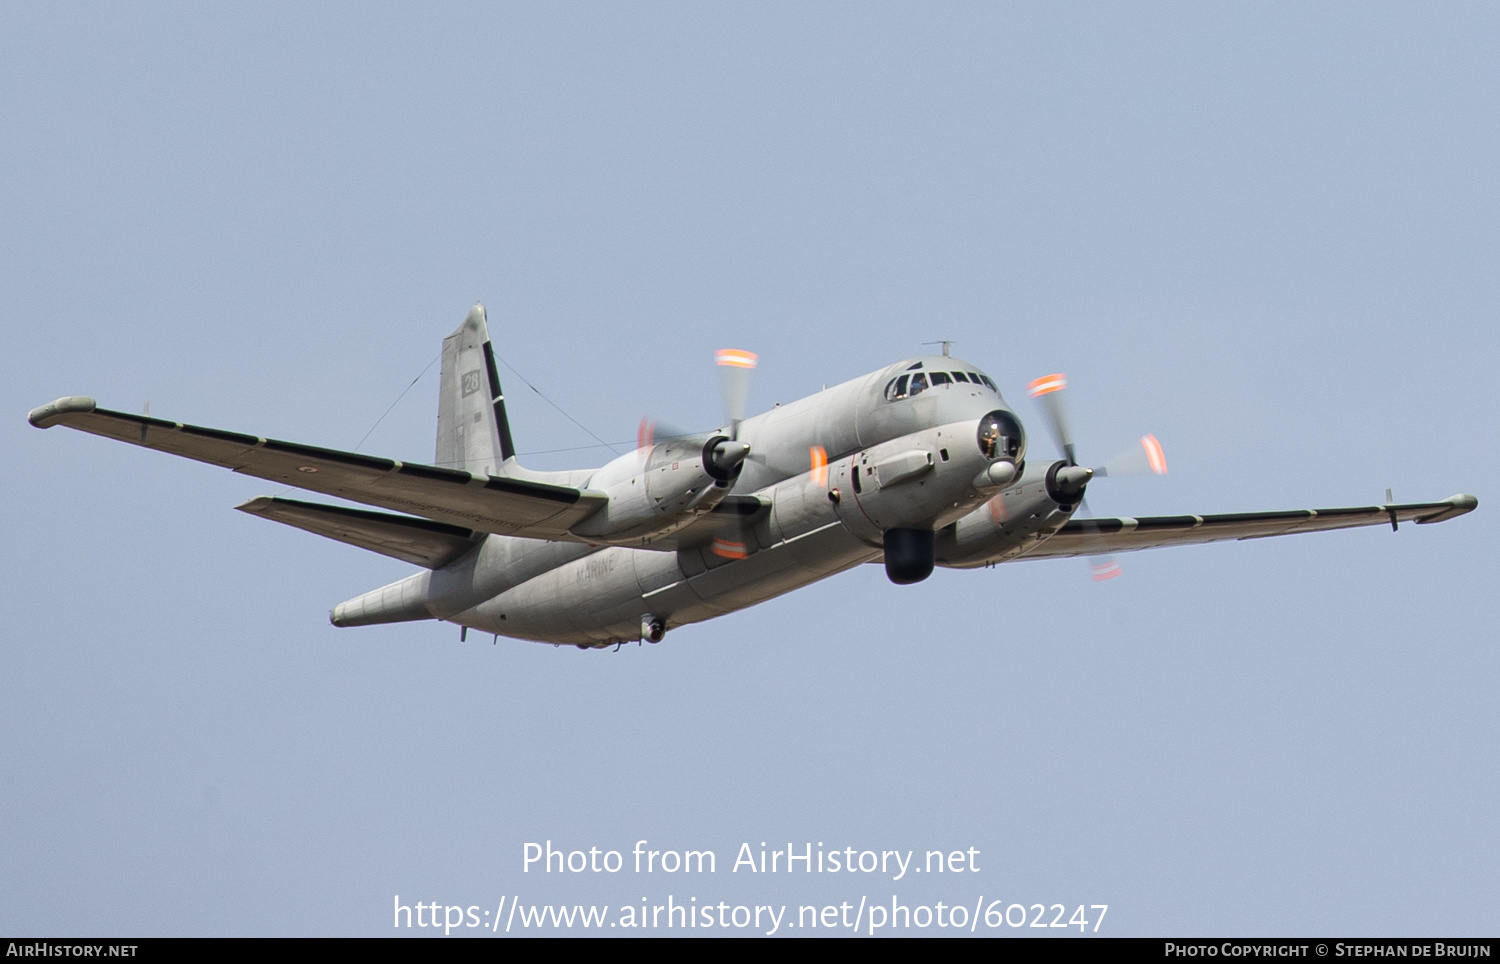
1035,507
655,491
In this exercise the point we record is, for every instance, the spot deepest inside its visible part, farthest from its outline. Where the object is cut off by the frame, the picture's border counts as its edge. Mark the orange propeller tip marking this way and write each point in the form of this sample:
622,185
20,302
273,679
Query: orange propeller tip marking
1154,454
1103,571
1047,384
818,456
736,358
726,549
645,433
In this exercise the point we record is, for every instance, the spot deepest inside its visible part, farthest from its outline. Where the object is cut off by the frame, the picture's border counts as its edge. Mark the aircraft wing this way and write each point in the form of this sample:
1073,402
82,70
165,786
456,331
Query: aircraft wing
732,518
1090,537
434,545
484,503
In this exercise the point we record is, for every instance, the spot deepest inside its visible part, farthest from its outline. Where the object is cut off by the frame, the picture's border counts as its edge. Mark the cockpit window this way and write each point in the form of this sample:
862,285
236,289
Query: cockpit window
917,382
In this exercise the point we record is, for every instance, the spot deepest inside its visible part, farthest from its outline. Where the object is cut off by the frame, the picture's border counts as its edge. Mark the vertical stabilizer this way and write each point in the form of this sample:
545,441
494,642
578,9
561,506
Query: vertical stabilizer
473,433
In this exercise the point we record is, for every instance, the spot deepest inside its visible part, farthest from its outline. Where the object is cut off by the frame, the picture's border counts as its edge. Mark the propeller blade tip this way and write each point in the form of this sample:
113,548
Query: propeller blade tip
1154,454
1101,571
818,459
1047,384
729,549
736,358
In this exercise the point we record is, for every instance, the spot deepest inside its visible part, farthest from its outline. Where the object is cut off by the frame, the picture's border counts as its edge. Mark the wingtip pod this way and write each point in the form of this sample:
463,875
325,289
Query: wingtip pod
46,416
1461,504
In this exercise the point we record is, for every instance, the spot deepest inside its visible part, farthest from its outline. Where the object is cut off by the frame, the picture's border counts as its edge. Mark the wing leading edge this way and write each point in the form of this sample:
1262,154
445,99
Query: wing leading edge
504,506
1088,537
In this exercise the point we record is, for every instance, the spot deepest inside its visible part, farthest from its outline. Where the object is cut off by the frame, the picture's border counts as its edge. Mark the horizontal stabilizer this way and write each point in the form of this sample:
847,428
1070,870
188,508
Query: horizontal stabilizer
1093,537
420,542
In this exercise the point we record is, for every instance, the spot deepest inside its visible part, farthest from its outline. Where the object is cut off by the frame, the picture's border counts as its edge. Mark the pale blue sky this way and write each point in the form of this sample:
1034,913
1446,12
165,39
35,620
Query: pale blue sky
1266,233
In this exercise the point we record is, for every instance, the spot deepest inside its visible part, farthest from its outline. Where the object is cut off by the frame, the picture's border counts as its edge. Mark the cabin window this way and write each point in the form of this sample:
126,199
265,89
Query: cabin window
941,378
918,383
960,376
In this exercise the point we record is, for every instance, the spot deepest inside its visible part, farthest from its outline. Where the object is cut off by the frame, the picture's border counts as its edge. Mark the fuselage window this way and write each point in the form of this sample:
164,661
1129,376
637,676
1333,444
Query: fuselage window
961,376
990,384
940,378
918,383
897,388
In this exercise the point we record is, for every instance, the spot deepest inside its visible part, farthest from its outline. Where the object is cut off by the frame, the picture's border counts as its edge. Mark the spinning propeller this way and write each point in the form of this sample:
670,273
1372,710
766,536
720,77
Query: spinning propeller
732,541
737,365
1073,479
724,460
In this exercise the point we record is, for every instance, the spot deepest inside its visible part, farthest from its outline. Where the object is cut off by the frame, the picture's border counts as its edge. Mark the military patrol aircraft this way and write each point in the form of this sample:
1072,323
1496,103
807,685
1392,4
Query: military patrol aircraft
920,464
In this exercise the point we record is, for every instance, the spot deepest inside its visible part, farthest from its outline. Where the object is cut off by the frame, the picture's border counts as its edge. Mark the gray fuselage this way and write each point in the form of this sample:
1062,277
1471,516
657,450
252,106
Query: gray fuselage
916,458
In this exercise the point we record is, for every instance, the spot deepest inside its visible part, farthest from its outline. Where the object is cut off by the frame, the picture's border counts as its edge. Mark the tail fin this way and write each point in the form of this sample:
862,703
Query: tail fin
473,432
